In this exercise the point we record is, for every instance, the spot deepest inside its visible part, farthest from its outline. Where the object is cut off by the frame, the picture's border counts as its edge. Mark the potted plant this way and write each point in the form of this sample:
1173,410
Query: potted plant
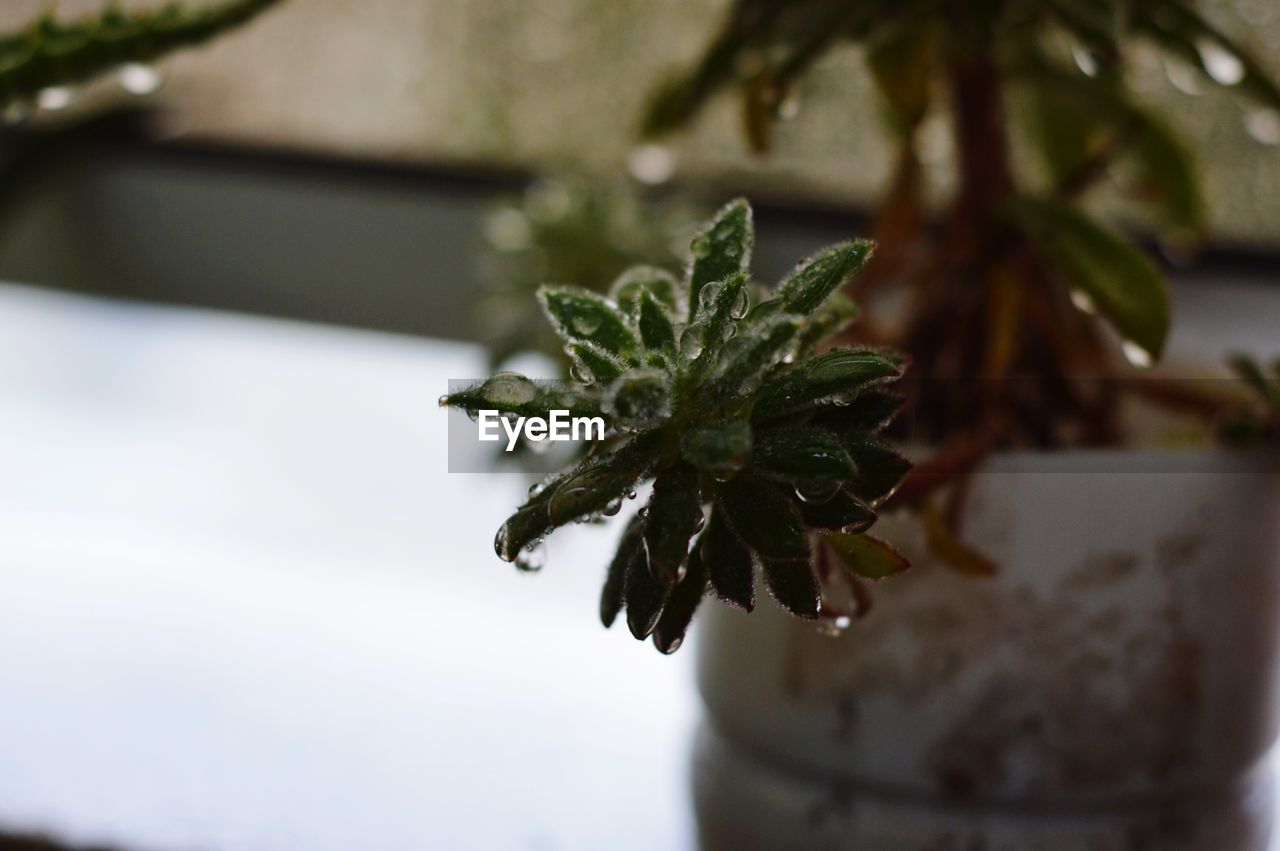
1083,653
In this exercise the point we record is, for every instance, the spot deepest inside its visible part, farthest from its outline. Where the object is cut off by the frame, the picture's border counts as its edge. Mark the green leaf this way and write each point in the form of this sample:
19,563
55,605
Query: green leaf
639,400
763,519
594,364
512,393
581,316
728,563
721,249
674,517
1124,285
880,469
793,586
797,455
656,329
628,289
669,633
902,60
719,448
844,512
48,53
645,597
1169,176
817,277
721,303
599,481
1251,373
630,552
865,556
752,352
841,372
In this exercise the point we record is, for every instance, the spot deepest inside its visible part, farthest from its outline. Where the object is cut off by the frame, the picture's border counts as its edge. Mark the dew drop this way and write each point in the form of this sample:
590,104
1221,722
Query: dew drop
817,490
1085,61
509,389
137,78
652,164
741,305
691,341
55,98
612,507
585,324
16,112
1083,302
580,374
708,294
1136,355
536,489
1223,66
443,401
1183,77
1264,126
834,627
532,558
631,494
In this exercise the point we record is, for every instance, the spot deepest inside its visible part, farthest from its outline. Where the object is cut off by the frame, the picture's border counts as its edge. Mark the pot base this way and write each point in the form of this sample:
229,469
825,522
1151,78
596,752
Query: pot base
743,802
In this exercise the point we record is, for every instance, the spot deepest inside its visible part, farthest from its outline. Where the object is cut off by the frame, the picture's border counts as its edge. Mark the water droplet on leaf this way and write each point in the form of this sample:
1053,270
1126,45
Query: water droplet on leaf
612,507
509,390
691,341
834,627
532,558
1083,302
1085,61
1136,355
1182,76
817,490
585,324
56,97
1220,64
137,78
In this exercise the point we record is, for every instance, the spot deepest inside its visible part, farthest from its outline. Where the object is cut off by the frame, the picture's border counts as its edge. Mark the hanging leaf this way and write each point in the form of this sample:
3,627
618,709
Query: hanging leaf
581,316
630,552
880,469
865,556
669,633
763,519
802,454
674,517
728,563
842,512
1124,285
645,597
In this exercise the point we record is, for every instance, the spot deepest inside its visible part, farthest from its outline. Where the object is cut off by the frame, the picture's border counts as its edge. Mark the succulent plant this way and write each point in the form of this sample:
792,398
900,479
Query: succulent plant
50,52
762,447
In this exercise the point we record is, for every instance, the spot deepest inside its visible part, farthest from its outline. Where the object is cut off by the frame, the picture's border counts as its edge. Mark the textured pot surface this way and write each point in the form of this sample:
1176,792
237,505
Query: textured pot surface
1125,653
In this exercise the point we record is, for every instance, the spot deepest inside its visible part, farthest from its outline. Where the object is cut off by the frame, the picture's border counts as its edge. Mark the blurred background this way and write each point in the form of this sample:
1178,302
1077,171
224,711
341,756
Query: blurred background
244,606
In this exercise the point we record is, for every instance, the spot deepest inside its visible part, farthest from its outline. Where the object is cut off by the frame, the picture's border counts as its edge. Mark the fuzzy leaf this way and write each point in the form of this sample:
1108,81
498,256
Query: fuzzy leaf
714,320
880,469
598,481
843,512
809,284
669,633
754,351
801,454
721,249
511,393
865,556
592,363
1124,285
645,598
674,517
837,372
656,330
720,449
793,586
581,316
728,563
49,53
764,519
630,552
